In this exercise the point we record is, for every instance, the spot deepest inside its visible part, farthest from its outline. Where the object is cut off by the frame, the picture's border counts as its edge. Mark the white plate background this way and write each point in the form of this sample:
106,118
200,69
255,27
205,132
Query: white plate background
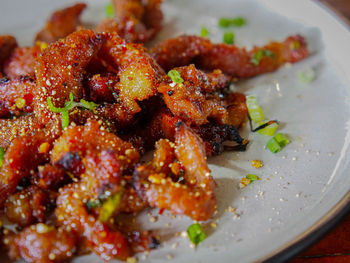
301,183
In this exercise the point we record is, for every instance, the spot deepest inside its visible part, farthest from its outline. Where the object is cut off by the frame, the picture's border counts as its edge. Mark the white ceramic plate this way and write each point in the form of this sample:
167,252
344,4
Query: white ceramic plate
303,186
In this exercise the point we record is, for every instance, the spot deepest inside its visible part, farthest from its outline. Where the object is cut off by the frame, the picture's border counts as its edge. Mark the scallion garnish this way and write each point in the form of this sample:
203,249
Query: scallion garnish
109,11
252,177
277,142
281,139
258,55
229,37
175,76
68,106
110,206
224,22
2,153
196,233
204,32
238,21
254,110
267,128
307,76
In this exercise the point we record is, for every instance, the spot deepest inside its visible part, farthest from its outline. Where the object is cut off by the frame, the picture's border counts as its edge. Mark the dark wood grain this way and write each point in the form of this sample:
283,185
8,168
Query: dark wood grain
334,247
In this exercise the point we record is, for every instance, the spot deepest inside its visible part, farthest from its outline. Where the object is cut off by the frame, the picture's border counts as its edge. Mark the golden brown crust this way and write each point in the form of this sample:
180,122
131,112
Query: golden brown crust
135,21
61,23
7,45
16,96
60,70
22,61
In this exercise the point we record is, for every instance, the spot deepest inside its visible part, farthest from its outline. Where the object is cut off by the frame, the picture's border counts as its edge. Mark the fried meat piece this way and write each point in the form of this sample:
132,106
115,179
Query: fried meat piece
22,61
60,71
100,87
195,197
61,23
92,137
179,51
50,177
16,96
42,243
239,62
230,59
99,158
7,45
136,21
187,100
21,160
138,73
235,104
10,129
29,206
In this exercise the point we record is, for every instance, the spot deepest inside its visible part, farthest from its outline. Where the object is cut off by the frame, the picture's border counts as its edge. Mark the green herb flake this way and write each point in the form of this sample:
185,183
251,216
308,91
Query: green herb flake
110,206
229,38
204,32
255,60
109,10
175,76
196,233
2,153
224,22
68,106
277,142
281,139
252,177
238,21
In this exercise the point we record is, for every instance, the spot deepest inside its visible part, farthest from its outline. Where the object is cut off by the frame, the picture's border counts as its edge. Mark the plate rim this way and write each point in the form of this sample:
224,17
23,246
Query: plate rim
334,216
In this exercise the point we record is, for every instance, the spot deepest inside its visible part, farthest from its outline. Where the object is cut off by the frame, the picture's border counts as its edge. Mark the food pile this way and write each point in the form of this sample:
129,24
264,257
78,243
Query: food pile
80,108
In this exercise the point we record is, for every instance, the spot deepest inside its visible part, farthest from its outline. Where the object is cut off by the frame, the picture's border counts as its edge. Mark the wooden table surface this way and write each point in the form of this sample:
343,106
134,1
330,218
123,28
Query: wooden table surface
334,247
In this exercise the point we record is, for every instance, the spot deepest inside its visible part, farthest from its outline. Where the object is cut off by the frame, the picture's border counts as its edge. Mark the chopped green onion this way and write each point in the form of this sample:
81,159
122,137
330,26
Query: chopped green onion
252,177
224,22
196,233
204,32
277,142
254,110
2,153
307,76
229,37
87,105
65,119
238,21
269,129
110,206
175,76
109,11
255,60
68,106
281,139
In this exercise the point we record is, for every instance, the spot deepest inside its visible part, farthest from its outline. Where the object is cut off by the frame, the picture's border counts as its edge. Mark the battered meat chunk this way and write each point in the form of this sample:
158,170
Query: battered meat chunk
135,21
29,206
42,243
7,45
60,71
22,61
16,96
21,160
61,23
